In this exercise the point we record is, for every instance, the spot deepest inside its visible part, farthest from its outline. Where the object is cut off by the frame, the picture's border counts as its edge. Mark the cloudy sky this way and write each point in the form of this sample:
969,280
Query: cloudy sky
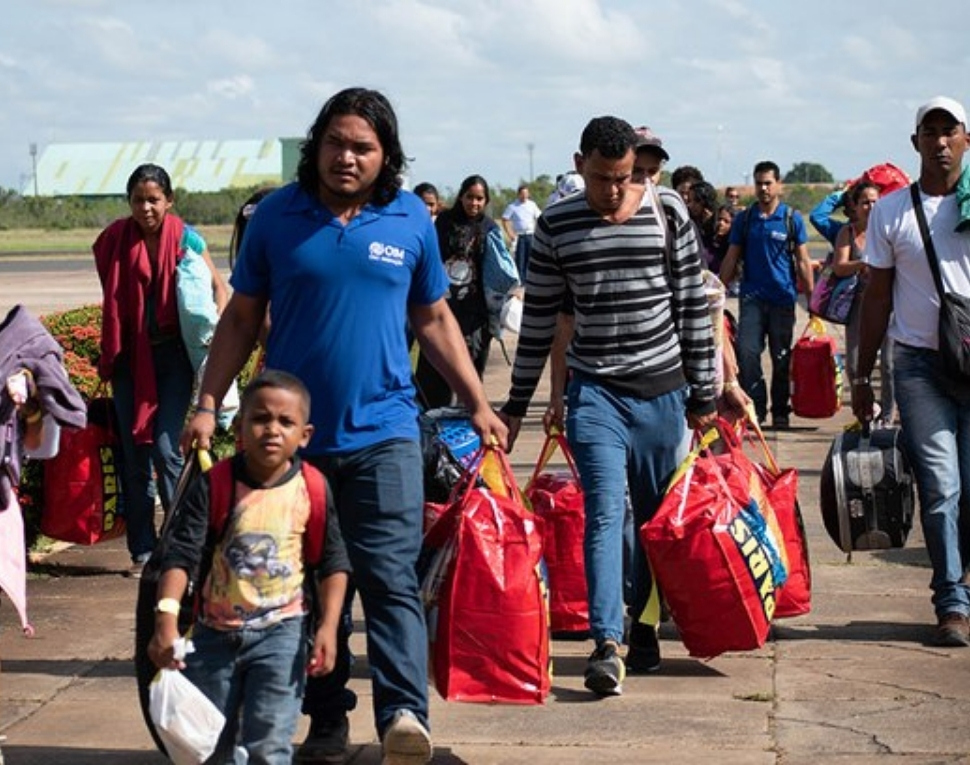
724,82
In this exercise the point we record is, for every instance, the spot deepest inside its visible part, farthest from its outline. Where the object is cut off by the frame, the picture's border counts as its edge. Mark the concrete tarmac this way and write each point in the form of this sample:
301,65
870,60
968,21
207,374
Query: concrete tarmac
856,681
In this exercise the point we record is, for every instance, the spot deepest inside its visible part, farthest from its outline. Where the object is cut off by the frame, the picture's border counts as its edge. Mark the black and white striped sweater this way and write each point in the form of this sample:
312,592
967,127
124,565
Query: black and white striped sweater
642,323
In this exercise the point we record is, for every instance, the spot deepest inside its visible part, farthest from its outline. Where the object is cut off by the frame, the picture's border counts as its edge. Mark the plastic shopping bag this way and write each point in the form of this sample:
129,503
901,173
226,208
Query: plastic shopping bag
491,622
82,483
188,723
557,497
715,548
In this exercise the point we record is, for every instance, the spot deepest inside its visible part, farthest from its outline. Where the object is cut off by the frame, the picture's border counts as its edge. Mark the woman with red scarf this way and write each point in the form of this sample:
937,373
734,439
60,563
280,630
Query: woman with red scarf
142,352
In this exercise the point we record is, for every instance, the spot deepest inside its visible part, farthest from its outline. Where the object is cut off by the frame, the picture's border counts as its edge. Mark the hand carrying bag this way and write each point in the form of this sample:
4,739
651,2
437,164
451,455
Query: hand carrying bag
492,632
83,500
557,498
715,548
186,721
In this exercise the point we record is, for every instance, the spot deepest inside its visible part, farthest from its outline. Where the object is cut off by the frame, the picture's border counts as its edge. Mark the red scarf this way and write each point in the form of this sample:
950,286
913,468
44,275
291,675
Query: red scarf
125,269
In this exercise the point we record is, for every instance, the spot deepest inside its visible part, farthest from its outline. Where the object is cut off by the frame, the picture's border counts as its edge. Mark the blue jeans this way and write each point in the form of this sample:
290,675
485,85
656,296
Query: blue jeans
380,498
935,415
757,320
620,440
523,249
256,678
174,379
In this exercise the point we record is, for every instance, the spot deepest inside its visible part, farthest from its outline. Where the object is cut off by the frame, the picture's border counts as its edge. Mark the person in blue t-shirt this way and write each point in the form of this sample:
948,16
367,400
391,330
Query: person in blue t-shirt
776,262
345,258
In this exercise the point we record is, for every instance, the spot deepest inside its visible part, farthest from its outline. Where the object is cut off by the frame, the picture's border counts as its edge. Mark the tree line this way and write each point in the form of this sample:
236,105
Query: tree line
806,184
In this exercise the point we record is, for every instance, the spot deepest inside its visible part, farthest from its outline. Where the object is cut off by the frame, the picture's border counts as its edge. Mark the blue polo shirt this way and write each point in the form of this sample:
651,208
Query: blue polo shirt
768,268
338,306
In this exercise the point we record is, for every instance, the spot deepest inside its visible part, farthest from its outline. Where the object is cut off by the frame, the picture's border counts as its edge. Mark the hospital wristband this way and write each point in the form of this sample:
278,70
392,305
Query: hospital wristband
168,606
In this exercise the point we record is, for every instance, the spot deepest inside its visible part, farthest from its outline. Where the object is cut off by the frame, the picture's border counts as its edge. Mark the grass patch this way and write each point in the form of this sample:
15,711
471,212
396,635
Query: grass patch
79,240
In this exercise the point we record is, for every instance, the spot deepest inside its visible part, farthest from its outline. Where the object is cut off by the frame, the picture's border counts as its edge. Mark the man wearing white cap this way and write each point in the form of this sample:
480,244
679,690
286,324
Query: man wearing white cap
902,295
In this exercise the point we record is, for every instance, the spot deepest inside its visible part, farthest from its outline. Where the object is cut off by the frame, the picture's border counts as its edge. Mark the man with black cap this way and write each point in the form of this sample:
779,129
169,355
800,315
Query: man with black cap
902,295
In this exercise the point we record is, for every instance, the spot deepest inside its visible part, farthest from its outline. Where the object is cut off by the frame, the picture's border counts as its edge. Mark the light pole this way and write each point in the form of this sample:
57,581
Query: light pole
33,161
531,148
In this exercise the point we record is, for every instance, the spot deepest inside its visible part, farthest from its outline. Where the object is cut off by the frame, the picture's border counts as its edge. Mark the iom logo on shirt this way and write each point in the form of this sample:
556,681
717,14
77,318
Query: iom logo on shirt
386,253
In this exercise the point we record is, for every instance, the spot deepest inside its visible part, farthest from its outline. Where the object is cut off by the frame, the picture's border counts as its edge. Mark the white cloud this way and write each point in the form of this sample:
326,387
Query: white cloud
724,82
248,51
232,88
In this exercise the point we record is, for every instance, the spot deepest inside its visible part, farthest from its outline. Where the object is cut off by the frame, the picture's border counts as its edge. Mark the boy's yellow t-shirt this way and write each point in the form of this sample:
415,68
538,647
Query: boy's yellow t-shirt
256,578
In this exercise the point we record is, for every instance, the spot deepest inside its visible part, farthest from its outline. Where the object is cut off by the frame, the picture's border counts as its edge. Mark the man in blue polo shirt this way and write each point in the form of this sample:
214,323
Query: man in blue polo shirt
341,259
768,245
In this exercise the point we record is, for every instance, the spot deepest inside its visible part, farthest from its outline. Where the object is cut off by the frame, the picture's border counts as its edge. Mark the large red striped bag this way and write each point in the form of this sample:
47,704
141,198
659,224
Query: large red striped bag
557,498
489,616
716,550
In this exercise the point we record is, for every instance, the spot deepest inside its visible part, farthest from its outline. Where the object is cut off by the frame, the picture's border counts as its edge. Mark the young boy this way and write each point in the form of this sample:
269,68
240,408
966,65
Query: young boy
250,651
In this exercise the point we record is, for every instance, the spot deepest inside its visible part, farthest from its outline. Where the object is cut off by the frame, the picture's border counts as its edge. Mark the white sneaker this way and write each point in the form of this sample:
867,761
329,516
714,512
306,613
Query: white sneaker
406,740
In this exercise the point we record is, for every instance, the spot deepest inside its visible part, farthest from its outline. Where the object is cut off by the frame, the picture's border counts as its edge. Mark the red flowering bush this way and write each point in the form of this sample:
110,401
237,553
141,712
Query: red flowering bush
78,331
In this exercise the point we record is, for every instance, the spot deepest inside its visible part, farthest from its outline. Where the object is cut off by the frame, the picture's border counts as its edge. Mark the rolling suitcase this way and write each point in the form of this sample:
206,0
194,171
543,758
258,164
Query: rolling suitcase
867,490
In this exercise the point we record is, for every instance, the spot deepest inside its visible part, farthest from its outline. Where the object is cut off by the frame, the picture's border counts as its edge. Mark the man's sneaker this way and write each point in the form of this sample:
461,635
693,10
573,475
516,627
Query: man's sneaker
406,740
643,655
780,422
326,743
953,631
605,670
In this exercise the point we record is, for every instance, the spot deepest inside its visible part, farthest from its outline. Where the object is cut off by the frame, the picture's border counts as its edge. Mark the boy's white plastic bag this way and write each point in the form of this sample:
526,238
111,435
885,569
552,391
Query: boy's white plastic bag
185,720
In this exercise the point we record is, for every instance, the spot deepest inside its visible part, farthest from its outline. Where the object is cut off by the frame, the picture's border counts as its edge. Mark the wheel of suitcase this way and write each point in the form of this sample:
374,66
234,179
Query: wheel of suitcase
867,490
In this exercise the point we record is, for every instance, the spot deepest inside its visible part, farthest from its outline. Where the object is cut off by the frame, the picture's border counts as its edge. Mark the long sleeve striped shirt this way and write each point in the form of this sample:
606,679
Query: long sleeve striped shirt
642,323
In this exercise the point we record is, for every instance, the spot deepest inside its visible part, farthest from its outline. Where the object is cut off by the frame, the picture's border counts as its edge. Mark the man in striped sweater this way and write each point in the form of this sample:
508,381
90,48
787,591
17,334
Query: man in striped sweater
642,363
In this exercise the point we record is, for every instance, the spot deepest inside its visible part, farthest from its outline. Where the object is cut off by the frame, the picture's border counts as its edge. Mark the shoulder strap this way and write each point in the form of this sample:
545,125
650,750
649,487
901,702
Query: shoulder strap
924,230
221,491
670,229
792,241
316,528
745,226
220,496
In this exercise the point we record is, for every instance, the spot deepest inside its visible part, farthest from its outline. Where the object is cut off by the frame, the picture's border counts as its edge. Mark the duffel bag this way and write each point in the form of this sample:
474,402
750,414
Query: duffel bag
715,549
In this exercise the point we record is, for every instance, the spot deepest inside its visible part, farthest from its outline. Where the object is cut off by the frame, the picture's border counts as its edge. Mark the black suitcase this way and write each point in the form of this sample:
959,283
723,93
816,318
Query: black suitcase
867,490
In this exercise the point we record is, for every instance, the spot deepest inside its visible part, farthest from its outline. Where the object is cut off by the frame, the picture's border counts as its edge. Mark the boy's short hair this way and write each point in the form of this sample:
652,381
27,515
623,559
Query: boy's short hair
276,378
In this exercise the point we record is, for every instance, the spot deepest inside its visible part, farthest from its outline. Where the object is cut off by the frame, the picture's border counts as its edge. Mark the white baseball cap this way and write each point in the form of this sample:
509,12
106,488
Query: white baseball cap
948,105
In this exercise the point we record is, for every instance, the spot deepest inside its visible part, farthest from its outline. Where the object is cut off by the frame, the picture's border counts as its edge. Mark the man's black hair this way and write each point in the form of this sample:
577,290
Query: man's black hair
685,174
767,166
704,194
373,107
610,136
